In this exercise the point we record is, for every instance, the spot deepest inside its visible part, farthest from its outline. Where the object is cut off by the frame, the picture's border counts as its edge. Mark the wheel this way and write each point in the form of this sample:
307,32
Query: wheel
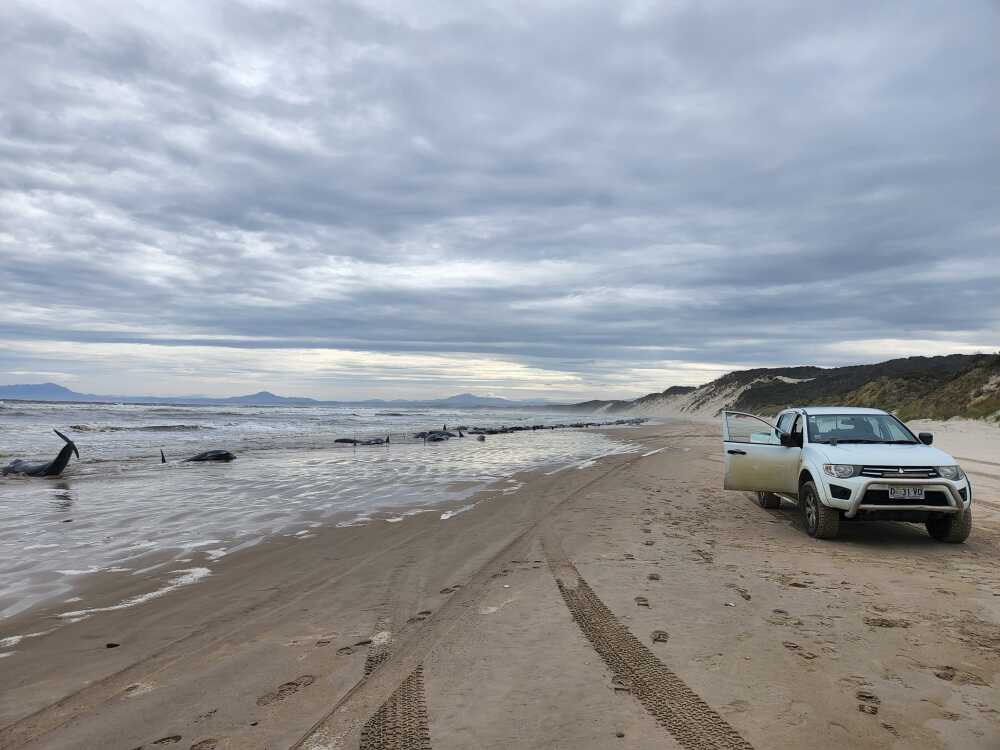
954,528
820,521
768,500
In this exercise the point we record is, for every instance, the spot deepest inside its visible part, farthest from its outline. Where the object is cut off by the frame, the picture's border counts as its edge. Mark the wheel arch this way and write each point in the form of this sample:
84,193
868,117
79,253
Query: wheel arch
805,476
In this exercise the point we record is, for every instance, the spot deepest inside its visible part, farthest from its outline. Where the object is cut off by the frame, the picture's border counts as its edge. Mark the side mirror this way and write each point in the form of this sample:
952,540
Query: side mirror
787,439
926,438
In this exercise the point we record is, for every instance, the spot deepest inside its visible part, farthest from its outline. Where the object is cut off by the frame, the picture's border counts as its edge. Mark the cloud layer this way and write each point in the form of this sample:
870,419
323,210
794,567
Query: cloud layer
548,198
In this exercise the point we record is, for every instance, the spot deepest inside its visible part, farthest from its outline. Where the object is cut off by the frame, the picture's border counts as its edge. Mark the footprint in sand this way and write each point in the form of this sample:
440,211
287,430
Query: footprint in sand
869,702
886,622
620,685
660,636
653,576
168,740
641,601
649,542
285,690
345,651
209,744
949,674
629,556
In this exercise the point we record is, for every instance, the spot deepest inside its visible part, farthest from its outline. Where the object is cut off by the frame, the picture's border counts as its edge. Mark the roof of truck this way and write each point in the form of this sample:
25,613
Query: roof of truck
819,410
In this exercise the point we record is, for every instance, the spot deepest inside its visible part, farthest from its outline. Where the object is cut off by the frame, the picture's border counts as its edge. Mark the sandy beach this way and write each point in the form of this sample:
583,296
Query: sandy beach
627,602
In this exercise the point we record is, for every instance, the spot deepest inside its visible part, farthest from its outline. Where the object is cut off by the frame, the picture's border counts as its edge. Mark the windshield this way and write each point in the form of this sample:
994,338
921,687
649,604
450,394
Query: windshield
858,428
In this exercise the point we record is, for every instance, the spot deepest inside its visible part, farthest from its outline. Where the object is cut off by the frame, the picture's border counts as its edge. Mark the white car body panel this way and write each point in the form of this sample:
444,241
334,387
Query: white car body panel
767,467
755,464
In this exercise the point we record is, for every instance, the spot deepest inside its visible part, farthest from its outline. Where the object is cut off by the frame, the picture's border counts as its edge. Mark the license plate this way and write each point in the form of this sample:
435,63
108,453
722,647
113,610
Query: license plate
906,493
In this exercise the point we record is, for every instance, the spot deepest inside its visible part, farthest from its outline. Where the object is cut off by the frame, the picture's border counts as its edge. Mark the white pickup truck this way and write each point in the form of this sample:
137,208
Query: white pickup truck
842,463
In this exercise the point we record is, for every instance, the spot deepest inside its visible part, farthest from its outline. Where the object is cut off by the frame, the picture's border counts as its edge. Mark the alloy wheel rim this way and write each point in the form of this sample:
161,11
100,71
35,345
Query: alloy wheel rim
810,510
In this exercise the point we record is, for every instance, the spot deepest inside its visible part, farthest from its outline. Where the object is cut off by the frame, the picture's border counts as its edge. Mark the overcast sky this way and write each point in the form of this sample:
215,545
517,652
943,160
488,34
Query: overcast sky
563,199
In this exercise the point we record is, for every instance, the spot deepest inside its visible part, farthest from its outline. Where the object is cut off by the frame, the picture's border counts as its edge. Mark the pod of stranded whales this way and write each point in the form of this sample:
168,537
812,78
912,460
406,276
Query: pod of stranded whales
55,467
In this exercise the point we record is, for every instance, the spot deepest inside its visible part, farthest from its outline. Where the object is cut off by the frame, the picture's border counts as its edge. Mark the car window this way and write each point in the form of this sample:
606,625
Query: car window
785,422
744,428
863,428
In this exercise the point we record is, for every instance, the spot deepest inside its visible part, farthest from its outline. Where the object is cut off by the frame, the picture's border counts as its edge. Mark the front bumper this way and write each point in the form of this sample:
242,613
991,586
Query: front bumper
859,487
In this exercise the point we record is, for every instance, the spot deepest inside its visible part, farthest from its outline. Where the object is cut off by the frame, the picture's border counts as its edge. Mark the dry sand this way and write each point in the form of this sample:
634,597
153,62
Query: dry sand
631,603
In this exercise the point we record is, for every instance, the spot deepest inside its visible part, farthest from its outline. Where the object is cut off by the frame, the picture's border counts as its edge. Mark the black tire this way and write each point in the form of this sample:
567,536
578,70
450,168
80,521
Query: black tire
820,521
768,500
954,528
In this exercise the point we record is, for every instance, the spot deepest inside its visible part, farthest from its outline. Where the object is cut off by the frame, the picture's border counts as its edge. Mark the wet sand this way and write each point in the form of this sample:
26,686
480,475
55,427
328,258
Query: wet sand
630,602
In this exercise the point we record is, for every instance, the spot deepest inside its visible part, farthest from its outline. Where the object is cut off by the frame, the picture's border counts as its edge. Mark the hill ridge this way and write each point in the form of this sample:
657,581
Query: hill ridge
942,387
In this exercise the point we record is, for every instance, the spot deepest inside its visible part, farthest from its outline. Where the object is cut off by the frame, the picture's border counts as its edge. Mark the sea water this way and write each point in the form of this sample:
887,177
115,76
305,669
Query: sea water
118,506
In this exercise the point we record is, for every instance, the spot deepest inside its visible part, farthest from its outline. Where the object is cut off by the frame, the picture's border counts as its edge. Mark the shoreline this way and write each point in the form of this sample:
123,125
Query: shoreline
774,633
138,518
113,589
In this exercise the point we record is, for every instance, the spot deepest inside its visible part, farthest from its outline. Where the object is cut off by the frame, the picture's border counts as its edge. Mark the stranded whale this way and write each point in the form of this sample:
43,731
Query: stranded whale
215,455
51,468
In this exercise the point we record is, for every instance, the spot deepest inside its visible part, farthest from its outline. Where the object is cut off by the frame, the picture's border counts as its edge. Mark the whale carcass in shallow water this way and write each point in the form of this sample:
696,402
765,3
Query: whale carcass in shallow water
216,455
51,468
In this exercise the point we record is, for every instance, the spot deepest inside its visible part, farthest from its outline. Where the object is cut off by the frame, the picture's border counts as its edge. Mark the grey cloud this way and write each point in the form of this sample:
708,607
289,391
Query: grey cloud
732,182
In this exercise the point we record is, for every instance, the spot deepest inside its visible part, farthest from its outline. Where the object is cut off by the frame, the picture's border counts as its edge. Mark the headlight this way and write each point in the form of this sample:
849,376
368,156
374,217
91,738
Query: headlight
841,471
954,473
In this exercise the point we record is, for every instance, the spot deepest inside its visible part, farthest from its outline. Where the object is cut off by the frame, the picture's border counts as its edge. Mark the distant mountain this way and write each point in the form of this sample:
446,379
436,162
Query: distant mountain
957,385
266,398
40,392
55,392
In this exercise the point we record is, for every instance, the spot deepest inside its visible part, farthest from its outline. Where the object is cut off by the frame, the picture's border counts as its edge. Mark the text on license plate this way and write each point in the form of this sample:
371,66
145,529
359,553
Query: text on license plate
906,493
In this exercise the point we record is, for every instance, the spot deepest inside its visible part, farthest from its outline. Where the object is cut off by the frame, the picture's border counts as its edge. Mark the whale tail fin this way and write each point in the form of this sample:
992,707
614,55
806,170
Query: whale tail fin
55,467
69,442
163,459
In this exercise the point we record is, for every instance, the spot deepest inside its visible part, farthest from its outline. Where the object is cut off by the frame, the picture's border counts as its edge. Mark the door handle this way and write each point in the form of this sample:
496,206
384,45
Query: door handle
736,452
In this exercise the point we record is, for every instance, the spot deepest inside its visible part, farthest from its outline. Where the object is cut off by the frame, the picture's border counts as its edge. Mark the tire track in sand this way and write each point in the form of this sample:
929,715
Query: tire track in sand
401,722
343,719
676,707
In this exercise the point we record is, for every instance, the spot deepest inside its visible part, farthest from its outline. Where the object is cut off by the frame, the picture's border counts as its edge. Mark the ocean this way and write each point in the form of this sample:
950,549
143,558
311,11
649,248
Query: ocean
119,509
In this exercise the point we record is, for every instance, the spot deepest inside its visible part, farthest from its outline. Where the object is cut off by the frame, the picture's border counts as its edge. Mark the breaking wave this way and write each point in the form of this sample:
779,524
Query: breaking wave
142,428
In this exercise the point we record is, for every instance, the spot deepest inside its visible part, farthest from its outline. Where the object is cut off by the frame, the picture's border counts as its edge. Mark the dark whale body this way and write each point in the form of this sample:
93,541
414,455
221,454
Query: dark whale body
51,468
216,455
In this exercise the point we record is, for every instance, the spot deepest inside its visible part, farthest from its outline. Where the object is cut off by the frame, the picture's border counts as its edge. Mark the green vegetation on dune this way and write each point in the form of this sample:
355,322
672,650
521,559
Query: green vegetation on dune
974,394
956,385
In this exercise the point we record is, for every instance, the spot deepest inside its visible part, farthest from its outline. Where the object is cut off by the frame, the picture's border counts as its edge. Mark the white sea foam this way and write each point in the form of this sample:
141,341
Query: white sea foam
189,576
452,513
13,640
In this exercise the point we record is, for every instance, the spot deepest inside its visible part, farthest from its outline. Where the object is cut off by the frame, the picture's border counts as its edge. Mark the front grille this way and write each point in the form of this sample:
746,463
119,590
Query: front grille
881,497
899,472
